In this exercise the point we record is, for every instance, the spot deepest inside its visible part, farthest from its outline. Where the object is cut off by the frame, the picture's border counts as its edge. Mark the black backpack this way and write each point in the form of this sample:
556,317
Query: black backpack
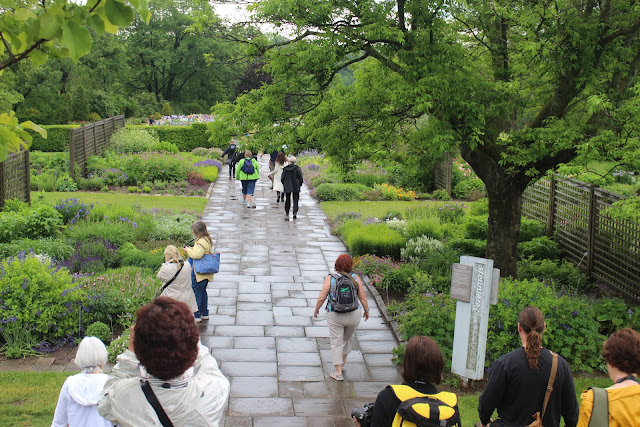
247,167
344,293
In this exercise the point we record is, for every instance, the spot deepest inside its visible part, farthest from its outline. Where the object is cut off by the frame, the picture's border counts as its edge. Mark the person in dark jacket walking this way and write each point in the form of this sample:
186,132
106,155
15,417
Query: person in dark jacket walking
292,181
230,152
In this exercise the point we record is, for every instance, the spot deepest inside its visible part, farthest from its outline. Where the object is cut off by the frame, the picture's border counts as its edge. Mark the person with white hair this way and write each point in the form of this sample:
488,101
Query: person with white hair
80,393
291,181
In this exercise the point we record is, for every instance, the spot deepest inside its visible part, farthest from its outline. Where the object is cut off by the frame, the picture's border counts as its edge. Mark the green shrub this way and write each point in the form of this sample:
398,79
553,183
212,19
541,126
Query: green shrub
146,190
91,256
614,314
561,274
186,138
375,239
464,189
324,179
159,185
54,248
209,173
57,138
471,247
40,297
98,330
94,183
440,195
476,227
117,233
115,295
418,248
531,229
133,189
438,266
480,207
340,192
539,248
39,221
373,266
118,346
176,227
94,117
429,227
45,181
130,255
398,280
400,225
136,140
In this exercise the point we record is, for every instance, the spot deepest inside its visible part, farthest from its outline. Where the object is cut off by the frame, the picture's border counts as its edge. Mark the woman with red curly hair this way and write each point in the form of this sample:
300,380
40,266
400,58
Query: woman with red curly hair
622,354
166,357
342,319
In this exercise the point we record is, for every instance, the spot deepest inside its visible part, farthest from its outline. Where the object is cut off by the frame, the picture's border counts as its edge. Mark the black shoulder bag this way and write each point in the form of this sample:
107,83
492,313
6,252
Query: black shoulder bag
153,401
172,279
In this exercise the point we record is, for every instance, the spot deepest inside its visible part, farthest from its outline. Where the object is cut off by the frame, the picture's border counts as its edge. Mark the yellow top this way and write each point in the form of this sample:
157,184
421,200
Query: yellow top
405,392
624,407
201,247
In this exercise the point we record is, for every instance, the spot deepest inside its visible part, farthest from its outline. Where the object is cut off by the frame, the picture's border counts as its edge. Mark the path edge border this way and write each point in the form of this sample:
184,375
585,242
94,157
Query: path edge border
383,309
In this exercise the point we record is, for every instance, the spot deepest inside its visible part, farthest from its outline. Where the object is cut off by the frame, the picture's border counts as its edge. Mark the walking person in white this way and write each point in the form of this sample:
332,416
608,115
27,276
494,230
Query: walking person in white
276,175
80,393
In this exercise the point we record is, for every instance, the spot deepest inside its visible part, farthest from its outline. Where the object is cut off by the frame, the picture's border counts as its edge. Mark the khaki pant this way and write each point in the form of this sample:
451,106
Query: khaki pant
341,329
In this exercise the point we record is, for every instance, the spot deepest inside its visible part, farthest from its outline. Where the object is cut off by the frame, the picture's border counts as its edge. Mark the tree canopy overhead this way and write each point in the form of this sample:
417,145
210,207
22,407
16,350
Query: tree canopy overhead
518,87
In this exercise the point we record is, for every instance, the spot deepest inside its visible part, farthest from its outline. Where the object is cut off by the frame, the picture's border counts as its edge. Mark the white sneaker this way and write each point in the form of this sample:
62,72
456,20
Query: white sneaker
205,317
197,319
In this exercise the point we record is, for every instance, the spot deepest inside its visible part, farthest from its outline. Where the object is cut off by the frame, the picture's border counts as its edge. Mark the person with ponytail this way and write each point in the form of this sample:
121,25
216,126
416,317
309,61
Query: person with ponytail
518,381
199,281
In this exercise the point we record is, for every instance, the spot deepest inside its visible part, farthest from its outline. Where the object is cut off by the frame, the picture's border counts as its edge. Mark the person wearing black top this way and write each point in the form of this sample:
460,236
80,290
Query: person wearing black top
422,367
518,381
291,181
230,152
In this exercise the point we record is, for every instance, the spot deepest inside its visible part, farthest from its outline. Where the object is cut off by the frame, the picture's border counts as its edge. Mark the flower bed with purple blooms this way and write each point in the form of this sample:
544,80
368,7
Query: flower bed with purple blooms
72,210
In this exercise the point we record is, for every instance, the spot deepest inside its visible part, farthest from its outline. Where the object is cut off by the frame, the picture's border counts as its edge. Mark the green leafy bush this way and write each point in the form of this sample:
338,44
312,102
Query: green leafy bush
95,183
464,189
373,266
376,239
39,221
137,140
45,181
316,181
438,266
614,314
531,229
40,296
539,248
146,189
340,192
429,227
561,274
186,138
419,248
480,207
399,280
471,247
118,346
55,248
130,255
57,138
440,195
91,256
476,227
209,173
98,330
176,227
117,233
400,225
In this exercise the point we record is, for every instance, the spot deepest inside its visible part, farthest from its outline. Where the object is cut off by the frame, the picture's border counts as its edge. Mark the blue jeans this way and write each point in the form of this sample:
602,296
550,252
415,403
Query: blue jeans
202,299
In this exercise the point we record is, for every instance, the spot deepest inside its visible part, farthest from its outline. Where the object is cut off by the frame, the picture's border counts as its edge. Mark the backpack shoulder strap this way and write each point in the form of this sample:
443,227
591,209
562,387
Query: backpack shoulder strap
600,412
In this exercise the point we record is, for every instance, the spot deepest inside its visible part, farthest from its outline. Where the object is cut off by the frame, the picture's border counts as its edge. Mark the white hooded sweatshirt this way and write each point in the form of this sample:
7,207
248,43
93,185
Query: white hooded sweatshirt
77,404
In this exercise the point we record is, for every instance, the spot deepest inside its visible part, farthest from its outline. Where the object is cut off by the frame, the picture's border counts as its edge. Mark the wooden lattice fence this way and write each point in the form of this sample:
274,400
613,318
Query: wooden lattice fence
90,140
15,179
607,249
443,174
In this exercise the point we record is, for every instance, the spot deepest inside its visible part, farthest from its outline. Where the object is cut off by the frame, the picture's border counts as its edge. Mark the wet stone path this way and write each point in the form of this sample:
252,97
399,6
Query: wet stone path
261,328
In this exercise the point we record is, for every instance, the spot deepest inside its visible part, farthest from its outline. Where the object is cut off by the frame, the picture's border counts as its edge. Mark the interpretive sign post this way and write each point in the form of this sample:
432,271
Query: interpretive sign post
474,284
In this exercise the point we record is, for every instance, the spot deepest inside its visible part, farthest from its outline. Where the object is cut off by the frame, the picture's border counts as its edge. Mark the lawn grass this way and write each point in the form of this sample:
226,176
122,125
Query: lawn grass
29,398
380,209
178,204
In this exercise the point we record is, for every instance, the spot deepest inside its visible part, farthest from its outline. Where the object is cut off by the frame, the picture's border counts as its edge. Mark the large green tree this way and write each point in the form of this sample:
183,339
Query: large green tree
39,30
518,87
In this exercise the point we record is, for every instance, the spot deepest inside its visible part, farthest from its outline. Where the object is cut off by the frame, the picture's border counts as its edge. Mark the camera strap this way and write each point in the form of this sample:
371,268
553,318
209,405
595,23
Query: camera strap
172,279
155,404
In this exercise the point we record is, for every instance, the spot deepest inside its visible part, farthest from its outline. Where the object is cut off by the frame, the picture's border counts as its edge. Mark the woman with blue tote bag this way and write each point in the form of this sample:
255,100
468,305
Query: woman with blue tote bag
199,280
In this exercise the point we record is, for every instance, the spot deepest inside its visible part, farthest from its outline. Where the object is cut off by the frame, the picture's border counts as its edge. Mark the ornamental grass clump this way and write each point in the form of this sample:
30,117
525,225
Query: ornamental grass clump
419,248
40,296
376,239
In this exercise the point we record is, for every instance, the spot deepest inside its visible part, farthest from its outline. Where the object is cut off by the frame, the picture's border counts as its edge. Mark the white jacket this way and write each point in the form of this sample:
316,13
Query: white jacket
77,402
180,289
201,402
277,175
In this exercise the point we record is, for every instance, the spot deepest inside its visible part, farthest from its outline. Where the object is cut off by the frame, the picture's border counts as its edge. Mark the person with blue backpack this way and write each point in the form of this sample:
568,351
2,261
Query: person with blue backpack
344,292
248,172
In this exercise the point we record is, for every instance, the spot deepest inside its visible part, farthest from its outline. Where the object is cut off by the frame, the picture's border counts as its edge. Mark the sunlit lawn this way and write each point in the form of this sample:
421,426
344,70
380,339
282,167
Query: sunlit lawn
29,398
194,205
381,209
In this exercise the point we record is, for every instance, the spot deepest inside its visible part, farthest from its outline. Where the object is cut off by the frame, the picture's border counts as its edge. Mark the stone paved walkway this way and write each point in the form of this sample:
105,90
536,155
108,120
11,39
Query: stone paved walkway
262,330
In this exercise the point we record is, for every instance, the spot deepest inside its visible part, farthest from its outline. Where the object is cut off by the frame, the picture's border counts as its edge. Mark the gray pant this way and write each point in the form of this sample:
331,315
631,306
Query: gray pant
341,329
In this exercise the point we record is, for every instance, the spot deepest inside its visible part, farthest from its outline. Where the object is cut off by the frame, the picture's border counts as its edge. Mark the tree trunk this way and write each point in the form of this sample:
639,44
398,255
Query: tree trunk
505,209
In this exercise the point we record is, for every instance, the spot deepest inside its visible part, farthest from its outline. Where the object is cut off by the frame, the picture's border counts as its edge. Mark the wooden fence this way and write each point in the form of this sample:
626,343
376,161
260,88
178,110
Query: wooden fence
608,250
15,177
90,140
443,174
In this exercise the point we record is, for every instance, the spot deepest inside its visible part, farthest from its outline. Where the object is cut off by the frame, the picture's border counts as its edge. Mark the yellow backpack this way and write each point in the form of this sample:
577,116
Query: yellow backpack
425,410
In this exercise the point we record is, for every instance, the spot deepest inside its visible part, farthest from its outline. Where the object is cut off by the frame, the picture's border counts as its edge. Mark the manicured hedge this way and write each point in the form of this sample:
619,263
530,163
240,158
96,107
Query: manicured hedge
186,137
57,138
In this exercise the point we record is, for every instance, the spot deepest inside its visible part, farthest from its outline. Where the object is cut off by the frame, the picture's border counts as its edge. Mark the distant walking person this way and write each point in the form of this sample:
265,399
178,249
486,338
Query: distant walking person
291,181
276,175
248,173
343,289
620,405
230,152
199,282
